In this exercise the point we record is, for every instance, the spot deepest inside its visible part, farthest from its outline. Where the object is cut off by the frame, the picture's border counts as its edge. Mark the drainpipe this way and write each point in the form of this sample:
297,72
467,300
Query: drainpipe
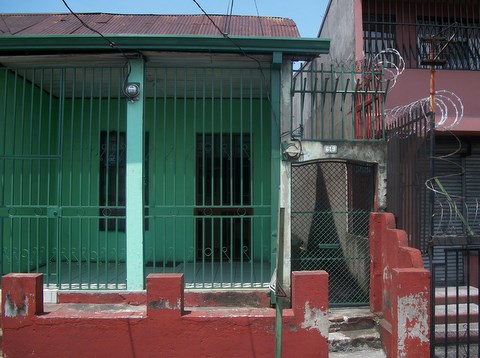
134,179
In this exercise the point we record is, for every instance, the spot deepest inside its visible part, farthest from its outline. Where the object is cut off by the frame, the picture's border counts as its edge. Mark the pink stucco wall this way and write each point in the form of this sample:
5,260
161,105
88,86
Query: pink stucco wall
414,84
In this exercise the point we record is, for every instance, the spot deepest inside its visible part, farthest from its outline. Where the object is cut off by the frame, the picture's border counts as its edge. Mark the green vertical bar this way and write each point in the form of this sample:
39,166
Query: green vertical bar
279,284
275,81
154,171
134,182
100,117
58,223
89,179
194,180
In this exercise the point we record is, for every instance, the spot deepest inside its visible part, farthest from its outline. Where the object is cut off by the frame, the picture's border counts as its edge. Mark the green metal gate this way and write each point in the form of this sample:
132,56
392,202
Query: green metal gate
209,207
62,203
331,202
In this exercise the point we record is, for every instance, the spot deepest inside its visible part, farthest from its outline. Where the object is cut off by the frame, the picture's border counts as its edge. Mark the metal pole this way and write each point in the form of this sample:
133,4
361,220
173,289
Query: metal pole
279,286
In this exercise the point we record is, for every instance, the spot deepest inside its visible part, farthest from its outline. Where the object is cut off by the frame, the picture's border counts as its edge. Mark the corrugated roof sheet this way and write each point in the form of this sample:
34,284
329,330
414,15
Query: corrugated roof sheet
49,24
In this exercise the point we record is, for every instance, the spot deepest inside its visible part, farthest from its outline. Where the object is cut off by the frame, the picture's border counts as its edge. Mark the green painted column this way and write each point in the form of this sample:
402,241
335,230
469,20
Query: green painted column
134,181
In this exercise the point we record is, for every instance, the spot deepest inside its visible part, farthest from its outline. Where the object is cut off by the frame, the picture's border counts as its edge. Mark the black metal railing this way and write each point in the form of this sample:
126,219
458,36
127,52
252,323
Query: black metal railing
454,302
407,26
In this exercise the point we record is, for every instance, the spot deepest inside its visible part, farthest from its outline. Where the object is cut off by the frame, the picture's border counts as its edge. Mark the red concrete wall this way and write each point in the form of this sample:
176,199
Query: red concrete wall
399,289
163,327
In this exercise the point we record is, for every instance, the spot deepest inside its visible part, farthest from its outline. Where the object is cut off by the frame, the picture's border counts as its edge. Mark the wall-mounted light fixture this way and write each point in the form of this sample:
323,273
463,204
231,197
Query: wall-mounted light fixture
132,91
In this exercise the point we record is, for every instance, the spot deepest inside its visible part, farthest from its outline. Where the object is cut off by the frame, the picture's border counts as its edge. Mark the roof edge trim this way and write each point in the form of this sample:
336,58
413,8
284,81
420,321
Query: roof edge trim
196,43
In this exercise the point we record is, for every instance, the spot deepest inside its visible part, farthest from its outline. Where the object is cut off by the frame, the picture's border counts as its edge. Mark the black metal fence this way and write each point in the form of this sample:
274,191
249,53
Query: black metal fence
454,296
404,25
410,144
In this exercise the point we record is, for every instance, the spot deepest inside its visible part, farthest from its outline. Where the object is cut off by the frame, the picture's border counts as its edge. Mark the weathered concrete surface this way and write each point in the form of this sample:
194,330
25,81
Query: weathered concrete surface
363,353
192,298
400,290
163,327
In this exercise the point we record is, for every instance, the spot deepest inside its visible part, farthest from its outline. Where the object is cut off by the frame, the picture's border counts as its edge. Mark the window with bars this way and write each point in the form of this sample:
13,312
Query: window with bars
378,33
460,42
402,24
112,180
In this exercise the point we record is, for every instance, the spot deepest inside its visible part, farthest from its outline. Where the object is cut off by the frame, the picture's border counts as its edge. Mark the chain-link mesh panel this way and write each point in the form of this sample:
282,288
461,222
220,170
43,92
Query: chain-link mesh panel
331,202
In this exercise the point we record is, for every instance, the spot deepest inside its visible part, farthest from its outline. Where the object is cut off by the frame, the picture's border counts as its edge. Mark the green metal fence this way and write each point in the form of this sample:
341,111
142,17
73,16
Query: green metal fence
331,202
338,103
207,137
61,158
208,213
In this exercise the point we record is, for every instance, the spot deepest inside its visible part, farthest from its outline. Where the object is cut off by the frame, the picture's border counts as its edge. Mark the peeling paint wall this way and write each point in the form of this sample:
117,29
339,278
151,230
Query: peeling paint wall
161,327
315,318
400,290
412,320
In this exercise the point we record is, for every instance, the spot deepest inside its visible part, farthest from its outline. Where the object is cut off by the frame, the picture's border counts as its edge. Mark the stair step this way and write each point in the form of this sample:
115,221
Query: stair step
356,340
457,333
348,319
462,294
362,353
462,312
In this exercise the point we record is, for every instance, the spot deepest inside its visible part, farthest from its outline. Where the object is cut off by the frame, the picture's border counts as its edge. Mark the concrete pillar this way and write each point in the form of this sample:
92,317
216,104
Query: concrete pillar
22,298
164,295
134,181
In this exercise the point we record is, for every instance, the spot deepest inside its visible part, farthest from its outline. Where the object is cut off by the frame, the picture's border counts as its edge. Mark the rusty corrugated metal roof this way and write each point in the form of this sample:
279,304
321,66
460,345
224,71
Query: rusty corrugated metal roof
61,24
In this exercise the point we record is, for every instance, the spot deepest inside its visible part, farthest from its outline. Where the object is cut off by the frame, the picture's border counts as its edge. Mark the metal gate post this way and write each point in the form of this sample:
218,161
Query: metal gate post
134,180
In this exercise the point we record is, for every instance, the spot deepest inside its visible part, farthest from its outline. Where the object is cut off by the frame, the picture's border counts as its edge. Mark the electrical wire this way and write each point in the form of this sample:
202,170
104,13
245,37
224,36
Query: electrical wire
258,17
6,25
260,67
110,42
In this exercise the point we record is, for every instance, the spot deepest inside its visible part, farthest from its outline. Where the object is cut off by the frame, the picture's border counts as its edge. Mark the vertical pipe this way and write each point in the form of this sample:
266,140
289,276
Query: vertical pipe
275,88
279,284
134,181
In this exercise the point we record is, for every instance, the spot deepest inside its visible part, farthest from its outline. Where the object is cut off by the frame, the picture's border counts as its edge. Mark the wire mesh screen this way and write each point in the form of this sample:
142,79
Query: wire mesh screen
331,202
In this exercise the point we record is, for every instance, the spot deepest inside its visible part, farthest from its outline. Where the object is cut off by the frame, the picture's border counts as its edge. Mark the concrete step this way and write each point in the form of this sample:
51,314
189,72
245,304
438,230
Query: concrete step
354,341
451,295
354,332
462,312
363,353
456,333
349,319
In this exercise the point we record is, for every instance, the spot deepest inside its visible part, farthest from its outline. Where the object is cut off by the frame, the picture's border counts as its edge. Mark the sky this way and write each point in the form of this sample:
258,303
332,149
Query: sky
307,14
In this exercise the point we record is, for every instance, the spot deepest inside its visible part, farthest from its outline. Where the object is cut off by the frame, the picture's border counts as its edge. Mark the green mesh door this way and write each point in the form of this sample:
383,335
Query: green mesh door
331,202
